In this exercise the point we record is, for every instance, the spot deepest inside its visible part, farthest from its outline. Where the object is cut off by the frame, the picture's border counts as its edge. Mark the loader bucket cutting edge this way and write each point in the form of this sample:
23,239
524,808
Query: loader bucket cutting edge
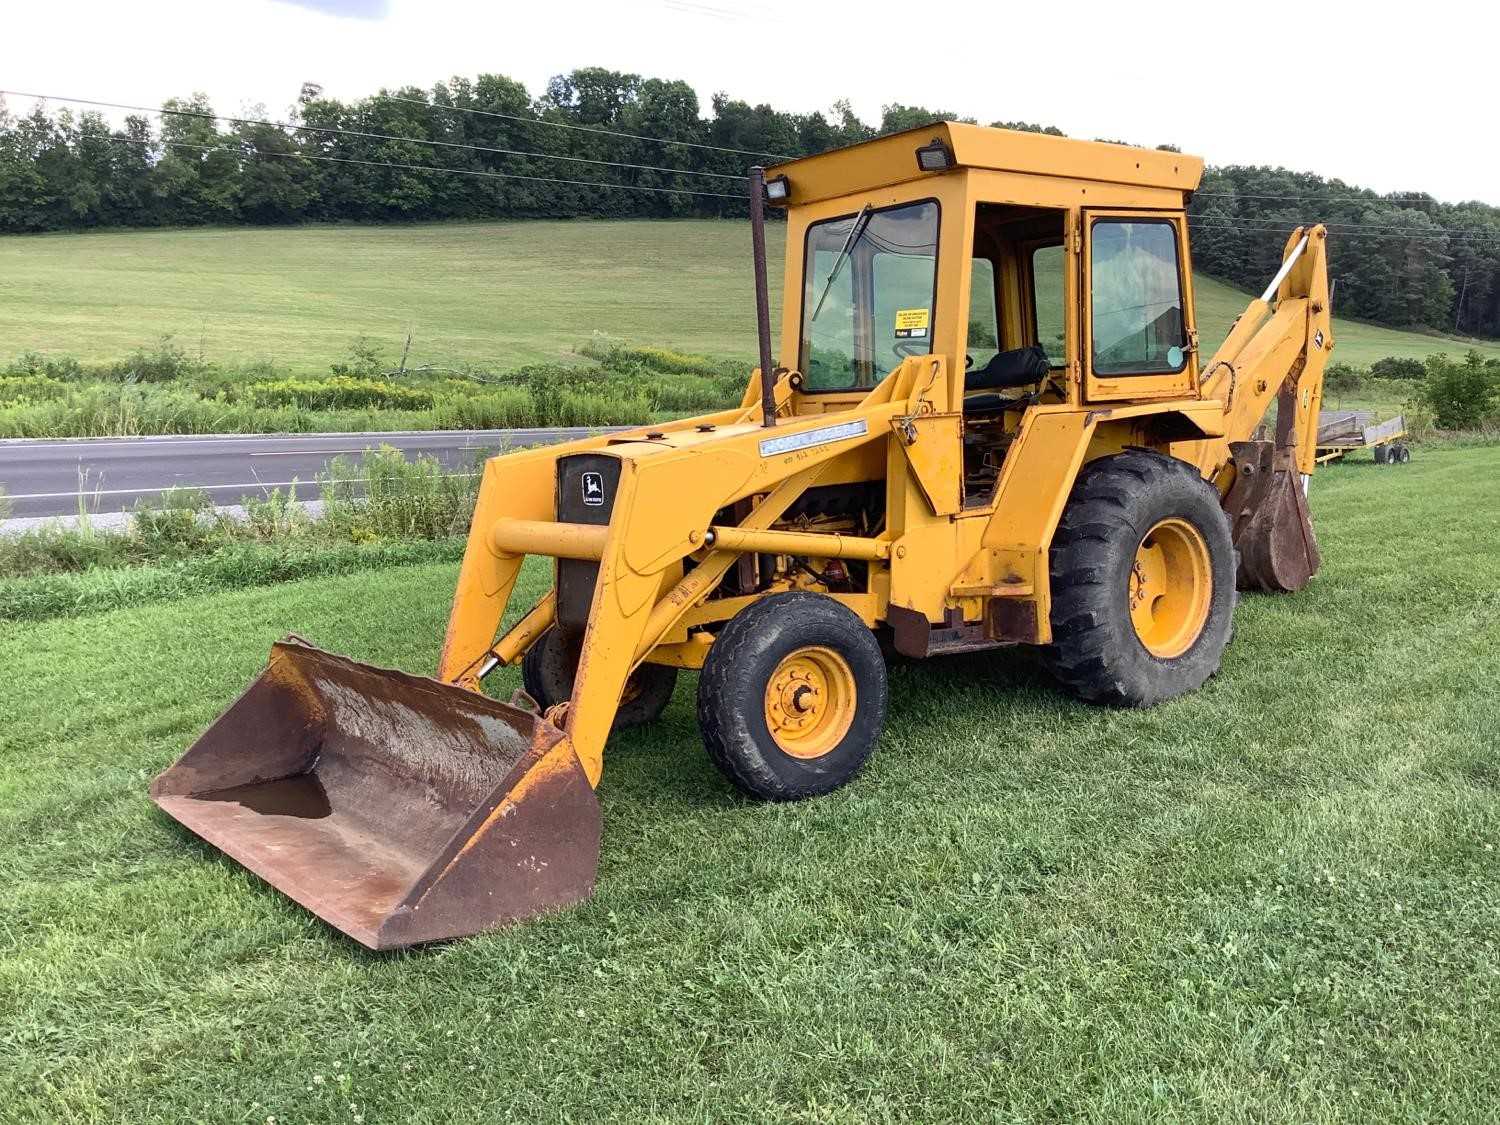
396,808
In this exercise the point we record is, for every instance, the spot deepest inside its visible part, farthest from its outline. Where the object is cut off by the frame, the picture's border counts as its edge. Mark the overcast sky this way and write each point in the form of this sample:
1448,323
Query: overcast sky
1397,98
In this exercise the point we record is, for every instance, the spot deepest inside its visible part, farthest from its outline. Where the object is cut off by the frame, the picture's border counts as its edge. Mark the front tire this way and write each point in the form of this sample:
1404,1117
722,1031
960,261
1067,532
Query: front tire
1143,582
792,697
548,669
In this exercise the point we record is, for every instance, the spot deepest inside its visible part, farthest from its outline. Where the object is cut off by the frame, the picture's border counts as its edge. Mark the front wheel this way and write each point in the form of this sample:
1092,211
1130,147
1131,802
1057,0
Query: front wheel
792,697
1143,588
549,666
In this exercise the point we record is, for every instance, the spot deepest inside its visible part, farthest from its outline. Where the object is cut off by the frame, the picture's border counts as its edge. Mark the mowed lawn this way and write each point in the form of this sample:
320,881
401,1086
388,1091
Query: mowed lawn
493,294
1277,899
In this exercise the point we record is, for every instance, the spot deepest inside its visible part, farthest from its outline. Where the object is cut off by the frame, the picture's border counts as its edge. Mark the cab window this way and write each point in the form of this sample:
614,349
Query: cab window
1047,297
1136,298
868,295
984,320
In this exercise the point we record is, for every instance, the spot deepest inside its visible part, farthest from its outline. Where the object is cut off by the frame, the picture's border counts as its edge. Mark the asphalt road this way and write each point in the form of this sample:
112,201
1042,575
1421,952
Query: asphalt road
50,478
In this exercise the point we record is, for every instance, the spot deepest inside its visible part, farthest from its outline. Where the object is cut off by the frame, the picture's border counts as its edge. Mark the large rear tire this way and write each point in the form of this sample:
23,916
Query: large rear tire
548,668
792,697
1143,582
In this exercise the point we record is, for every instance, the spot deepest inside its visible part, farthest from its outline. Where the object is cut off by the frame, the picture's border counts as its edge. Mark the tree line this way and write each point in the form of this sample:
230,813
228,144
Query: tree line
496,151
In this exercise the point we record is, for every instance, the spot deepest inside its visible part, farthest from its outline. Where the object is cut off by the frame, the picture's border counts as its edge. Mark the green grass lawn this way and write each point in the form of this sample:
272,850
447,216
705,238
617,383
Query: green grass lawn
1277,899
493,294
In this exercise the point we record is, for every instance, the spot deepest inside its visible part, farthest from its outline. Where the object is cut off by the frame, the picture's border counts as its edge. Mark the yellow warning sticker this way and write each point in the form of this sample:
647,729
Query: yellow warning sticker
911,322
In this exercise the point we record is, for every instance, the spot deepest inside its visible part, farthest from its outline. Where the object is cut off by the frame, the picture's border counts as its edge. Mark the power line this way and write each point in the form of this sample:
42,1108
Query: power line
1349,230
443,171
1370,234
1336,224
204,115
579,128
1374,198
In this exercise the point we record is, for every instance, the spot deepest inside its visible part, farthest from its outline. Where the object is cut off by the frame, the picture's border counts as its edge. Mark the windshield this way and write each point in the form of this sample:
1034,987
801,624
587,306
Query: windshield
867,295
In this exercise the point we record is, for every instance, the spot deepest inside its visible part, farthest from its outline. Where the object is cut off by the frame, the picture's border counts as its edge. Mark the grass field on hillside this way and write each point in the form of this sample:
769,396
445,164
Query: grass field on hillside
492,294
1273,900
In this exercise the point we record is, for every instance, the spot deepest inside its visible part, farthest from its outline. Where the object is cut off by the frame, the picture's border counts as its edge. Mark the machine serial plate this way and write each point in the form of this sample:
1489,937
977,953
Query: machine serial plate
808,439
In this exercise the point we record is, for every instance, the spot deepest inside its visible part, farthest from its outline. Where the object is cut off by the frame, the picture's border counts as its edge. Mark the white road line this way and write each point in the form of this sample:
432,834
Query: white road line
376,435
306,452
199,487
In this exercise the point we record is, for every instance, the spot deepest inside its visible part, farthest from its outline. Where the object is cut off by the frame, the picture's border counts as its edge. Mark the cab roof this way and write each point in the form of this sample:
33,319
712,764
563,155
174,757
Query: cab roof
892,159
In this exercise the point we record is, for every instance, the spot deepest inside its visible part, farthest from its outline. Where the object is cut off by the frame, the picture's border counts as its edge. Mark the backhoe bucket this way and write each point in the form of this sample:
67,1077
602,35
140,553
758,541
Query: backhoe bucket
396,808
1270,522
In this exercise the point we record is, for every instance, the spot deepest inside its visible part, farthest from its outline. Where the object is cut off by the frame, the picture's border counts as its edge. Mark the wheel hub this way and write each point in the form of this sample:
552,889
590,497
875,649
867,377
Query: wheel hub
809,702
1170,588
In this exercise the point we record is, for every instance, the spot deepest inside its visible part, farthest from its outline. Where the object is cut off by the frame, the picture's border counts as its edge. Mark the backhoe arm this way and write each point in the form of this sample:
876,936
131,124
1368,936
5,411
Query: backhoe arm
1275,350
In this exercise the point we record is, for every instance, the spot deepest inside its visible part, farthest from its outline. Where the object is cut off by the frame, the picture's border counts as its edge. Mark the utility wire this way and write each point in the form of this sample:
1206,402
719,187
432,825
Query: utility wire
579,128
1337,225
1373,198
1452,243
434,168
1352,230
205,115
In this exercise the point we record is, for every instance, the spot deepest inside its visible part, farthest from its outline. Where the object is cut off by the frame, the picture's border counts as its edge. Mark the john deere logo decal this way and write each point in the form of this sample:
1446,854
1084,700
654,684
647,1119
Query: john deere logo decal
593,490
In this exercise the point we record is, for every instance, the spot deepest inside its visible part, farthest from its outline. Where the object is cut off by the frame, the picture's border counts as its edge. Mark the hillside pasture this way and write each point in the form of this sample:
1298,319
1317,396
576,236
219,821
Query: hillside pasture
492,295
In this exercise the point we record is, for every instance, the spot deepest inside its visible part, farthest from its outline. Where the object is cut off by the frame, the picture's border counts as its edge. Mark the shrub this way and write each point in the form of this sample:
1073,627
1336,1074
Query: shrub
277,516
164,363
1398,367
179,521
340,392
1343,377
366,359
30,388
34,363
1461,396
385,496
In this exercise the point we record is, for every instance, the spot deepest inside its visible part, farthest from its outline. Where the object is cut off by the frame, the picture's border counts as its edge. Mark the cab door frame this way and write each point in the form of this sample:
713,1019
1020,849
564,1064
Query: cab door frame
1182,383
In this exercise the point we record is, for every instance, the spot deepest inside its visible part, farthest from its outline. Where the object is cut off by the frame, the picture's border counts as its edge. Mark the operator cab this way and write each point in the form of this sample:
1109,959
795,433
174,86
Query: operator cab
1045,270
1016,340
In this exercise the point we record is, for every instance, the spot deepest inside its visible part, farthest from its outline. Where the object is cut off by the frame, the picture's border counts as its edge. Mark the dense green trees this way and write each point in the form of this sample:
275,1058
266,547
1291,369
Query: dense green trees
1401,259
598,142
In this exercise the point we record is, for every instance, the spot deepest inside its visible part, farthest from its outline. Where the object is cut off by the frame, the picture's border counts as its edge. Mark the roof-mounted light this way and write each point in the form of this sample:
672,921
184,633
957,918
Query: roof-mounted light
935,157
777,190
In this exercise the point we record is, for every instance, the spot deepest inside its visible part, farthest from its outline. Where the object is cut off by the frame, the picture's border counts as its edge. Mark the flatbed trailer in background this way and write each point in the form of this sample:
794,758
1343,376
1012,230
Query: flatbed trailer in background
1343,431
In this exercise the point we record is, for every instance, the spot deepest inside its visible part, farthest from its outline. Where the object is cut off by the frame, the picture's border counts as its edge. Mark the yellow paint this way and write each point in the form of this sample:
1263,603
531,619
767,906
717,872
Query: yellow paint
1170,588
669,546
810,702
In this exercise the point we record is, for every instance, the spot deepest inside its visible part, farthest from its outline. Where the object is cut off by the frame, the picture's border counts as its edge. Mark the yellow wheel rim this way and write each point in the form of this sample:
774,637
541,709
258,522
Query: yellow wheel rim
1171,585
810,702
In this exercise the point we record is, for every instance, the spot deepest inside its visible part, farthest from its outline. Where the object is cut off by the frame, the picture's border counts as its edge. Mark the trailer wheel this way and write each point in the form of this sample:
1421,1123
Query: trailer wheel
548,668
1382,455
792,697
1403,452
1143,582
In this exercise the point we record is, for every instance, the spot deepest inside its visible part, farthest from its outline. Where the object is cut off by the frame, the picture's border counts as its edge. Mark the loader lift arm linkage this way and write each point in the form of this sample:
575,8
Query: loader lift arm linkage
1069,496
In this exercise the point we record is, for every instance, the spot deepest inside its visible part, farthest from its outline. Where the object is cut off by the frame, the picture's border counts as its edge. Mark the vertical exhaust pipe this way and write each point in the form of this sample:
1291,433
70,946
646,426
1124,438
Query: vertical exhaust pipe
762,294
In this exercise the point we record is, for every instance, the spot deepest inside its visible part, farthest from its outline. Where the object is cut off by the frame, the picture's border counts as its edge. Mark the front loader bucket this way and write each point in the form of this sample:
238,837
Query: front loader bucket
1270,522
396,808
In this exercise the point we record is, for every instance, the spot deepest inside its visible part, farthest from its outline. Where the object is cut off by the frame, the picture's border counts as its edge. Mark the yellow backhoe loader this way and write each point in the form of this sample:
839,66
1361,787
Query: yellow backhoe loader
990,425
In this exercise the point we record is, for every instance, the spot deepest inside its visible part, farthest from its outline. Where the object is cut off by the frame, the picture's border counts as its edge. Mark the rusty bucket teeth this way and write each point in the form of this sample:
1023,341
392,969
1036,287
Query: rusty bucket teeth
1271,524
396,808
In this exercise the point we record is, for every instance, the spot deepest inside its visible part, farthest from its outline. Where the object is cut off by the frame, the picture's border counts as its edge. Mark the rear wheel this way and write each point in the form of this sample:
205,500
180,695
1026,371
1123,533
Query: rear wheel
1143,588
792,697
548,669
1404,453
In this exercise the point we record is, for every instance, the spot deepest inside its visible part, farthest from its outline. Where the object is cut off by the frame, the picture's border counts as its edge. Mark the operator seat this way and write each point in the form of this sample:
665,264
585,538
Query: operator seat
1019,367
